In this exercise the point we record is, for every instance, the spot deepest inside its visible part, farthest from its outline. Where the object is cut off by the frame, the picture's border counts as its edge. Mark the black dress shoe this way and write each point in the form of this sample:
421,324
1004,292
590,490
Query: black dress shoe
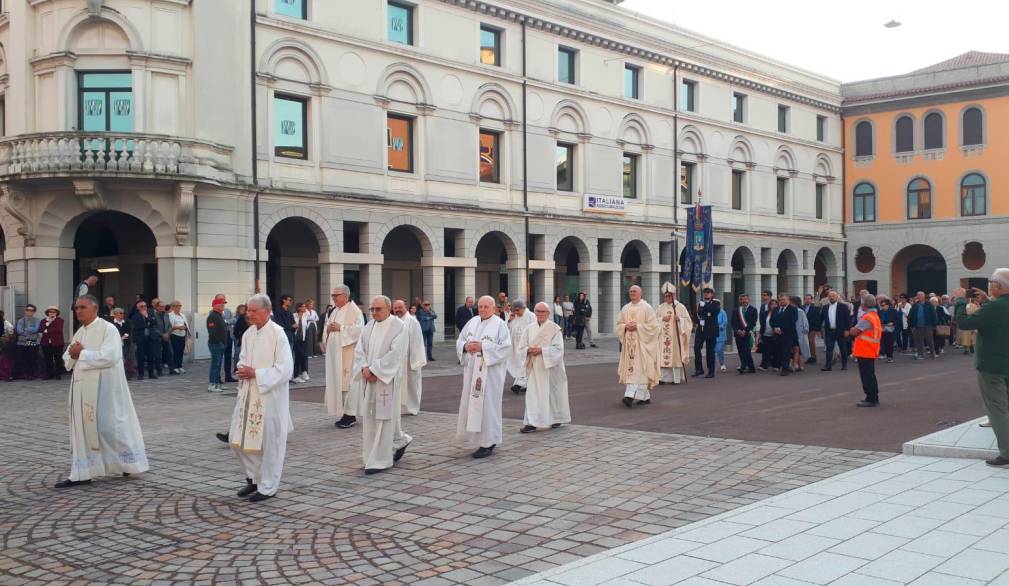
811,361
844,368
555,426
431,359
230,380
866,404
645,402
998,461
697,373
826,369
346,422
710,375
515,389
248,489
126,474
258,497
223,437
68,483
370,471
399,453
484,452
628,401
593,345
528,429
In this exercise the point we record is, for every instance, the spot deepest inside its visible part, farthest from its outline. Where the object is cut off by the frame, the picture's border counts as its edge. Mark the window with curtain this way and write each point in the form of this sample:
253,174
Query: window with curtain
863,139
973,195
686,183
565,161
919,199
905,135
933,131
864,203
490,164
973,127
490,45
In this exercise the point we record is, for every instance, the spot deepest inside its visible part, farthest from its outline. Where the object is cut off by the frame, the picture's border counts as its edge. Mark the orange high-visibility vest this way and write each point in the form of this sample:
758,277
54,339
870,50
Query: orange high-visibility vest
867,343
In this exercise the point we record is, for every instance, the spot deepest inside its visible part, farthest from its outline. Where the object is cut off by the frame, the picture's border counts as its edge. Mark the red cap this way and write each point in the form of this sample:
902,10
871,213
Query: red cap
219,298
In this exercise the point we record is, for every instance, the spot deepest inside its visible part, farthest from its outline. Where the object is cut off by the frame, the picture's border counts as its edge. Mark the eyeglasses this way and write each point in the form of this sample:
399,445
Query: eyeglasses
374,309
29,309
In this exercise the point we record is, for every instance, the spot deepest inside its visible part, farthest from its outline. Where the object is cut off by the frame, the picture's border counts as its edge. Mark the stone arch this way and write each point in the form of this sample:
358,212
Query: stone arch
291,49
59,222
822,167
425,235
784,159
574,241
569,109
85,18
691,141
292,264
634,130
402,82
825,268
494,250
789,280
919,267
492,100
508,234
740,150
644,253
315,221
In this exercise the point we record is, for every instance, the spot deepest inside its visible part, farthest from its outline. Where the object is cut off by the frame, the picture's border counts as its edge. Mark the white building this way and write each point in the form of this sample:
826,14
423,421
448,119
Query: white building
433,148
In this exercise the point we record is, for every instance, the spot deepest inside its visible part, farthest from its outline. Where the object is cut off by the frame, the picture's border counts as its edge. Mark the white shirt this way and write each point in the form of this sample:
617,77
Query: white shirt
832,315
558,310
177,319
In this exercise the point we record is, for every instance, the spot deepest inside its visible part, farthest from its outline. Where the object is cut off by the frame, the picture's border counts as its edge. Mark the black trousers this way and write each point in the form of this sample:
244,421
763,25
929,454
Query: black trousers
767,357
300,358
25,362
52,357
889,338
783,351
708,344
579,332
745,353
146,356
832,337
867,372
178,349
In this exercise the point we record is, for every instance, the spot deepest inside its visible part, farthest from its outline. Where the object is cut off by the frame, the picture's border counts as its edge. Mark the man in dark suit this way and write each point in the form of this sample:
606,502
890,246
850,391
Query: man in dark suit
765,332
812,311
465,313
147,339
284,318
835,319
744,321
783,323
707,333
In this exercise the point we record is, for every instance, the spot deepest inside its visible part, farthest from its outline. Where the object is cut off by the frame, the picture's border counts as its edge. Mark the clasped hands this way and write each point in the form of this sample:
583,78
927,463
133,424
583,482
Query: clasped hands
473,347
246,372
534,351
75,350
368,375
631,326
333,327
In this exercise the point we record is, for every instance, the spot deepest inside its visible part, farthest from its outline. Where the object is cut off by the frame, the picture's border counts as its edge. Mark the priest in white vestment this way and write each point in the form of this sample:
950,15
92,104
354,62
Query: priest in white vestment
547,396
262,416
520,319
339,338
378,372
638,332
675,326
105,436
414,359
483,348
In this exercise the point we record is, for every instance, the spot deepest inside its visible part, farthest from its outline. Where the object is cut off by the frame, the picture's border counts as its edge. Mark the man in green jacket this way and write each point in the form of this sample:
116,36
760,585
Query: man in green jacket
991,356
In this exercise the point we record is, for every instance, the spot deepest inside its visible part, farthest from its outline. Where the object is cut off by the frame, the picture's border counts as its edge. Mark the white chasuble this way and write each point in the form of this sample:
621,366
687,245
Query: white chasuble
483,380
105,435
339,350
262,416
638,361
414,359
547,391
517,362
381,350
674,340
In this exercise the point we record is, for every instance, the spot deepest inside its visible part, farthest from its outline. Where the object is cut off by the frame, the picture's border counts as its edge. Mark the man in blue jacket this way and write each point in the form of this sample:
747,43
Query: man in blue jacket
922,323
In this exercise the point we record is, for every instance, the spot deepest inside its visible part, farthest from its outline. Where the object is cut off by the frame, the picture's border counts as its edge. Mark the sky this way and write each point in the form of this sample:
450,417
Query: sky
844,40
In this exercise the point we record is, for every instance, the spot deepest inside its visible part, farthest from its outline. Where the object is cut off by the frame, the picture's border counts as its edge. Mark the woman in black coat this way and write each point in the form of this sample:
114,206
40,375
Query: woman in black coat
583,311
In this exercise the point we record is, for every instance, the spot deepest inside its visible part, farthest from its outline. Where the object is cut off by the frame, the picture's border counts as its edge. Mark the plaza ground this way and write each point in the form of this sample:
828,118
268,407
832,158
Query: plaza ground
543,500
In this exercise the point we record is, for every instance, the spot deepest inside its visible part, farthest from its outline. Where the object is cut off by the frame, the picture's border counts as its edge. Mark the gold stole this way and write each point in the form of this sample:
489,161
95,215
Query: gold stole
668,332
542,338
85,384
631,340
250,437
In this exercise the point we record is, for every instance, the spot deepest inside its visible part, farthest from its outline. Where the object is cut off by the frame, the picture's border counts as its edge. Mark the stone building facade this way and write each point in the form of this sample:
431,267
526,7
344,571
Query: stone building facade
433,148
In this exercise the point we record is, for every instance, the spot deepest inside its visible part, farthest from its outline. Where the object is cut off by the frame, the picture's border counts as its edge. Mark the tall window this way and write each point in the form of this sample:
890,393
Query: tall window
864,203
292,8
400,23
863,139
3,114
688,97
780,195
632,81
737,190
821,191
919,199
782,118
973,127
738,107
566,65
490,45
933,131
565,160
973,195
290,127
106,101
686,183
821,128
630,175
490,163
399,135
905,135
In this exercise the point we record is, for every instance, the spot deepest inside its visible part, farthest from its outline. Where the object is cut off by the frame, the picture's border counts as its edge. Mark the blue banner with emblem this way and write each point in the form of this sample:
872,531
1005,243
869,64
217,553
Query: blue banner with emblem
699,250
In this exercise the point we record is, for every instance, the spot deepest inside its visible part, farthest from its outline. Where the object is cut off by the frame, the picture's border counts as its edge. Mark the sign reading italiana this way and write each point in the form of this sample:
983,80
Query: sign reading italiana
605,204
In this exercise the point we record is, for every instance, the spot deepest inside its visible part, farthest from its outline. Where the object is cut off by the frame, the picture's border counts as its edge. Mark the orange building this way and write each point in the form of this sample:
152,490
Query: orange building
926,157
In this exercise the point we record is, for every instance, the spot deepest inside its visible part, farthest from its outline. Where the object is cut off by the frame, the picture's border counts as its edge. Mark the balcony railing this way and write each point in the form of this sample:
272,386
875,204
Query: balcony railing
108,152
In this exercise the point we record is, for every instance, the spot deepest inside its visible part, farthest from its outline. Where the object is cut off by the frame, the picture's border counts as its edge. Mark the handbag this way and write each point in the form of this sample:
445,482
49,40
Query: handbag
189,341
942,330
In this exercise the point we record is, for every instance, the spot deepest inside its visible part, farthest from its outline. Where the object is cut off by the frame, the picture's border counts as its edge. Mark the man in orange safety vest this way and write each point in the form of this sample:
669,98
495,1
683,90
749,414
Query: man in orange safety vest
867,334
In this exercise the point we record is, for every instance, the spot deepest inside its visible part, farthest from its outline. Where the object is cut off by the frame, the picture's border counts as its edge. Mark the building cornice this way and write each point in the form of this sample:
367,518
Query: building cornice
633,51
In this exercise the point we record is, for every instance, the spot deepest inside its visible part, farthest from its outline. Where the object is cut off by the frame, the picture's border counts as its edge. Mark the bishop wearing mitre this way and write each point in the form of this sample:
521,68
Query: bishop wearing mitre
638,332
675,326
414,359
547,394
339,338
518,321
483,349
105,436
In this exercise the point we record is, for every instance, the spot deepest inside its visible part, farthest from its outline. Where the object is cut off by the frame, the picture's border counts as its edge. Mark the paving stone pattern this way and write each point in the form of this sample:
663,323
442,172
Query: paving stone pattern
439,517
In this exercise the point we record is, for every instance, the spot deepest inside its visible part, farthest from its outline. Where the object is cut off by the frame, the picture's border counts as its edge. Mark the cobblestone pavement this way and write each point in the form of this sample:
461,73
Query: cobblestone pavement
439,517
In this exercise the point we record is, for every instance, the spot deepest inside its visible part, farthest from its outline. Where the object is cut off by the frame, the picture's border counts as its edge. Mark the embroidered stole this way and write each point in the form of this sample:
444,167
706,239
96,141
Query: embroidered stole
348,351
253,403
382,393
542,339
477,385
85,384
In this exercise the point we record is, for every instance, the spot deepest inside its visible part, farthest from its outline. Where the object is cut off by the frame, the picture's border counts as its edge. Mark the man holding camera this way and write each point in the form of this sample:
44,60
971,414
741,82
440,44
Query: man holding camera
991,356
